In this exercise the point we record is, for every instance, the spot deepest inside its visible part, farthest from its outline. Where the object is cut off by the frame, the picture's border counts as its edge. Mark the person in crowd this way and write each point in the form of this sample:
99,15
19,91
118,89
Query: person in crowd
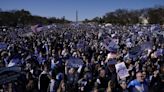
43,57
72,79
44,80
102,80
154,81
161,82
123,86
30,82
61,87
139,84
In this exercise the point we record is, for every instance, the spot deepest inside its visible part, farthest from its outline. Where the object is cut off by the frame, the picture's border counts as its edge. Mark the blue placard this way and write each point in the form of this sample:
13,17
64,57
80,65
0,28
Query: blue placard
74,62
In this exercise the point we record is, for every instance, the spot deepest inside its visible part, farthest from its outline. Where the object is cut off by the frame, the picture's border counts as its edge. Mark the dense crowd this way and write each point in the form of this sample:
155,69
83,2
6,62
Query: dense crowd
82,58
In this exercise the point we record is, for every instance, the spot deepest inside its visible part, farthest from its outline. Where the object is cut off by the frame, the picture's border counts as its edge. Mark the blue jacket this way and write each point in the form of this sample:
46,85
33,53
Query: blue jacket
136,86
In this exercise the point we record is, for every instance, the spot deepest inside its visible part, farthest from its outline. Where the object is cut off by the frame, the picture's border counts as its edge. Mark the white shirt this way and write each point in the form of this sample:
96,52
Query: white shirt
52,84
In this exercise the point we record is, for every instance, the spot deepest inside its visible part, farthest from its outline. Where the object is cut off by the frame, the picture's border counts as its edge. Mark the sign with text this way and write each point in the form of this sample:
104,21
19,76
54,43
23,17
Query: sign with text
110,45
121,70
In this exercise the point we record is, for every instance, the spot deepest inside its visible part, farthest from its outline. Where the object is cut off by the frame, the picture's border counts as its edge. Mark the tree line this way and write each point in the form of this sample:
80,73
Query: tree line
154,15
23,17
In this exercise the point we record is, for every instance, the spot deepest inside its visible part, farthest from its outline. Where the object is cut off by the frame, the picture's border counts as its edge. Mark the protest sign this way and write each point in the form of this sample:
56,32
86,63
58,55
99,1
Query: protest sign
121,70
110,45
74,62
146,45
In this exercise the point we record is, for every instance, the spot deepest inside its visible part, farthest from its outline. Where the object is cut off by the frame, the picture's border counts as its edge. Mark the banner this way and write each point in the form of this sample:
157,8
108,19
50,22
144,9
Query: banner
9,74
121,70
75,62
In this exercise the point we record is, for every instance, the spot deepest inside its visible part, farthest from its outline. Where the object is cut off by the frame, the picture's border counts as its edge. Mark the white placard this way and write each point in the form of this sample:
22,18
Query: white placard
121,70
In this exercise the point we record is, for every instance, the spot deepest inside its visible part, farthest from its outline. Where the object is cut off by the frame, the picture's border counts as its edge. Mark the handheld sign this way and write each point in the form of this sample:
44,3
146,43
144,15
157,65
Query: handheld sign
146,45
110,45
74,62
121,70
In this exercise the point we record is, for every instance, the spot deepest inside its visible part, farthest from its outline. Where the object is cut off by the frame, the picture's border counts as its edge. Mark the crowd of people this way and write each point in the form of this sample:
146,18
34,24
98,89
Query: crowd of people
82,58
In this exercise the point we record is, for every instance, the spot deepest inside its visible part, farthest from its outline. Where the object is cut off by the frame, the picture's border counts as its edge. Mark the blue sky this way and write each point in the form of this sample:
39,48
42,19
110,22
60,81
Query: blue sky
86,8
